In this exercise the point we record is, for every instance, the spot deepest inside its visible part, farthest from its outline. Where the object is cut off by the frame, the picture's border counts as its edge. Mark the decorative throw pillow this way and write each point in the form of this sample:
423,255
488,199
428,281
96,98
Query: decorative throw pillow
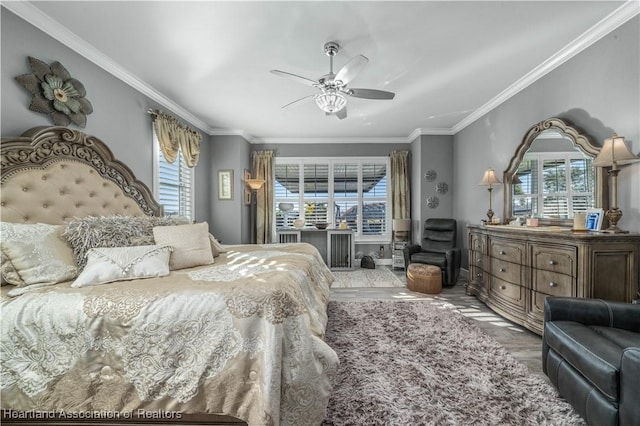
191,244
110,264
34,253
8,274
113,231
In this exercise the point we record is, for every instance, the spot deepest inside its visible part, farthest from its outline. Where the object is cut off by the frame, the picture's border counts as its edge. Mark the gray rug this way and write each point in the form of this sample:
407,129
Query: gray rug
422,363
379,277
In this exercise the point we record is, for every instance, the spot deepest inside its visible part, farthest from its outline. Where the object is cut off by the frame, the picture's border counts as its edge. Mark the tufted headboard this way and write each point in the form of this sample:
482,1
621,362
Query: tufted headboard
51,174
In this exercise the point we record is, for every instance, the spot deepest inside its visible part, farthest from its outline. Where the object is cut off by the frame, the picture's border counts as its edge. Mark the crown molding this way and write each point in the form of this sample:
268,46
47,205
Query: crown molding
53,28
607,24
329,140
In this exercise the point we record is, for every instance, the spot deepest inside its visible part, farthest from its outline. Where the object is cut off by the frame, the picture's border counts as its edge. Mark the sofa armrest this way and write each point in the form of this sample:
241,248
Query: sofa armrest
621,315
407,252
454,259
629,386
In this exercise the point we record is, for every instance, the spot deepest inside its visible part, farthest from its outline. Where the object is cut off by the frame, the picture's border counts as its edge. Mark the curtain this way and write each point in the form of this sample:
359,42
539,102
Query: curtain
400,189
172,134
262,164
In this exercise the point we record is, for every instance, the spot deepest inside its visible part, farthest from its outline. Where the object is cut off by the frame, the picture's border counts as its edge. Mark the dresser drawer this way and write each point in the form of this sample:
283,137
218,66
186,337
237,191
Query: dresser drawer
477,242
477,259
552,283
506,271
554,259
505,290
507,251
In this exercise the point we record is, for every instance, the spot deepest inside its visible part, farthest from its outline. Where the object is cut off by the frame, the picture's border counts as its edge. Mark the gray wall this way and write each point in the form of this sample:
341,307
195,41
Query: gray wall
430,153
598,90
120,116
229,219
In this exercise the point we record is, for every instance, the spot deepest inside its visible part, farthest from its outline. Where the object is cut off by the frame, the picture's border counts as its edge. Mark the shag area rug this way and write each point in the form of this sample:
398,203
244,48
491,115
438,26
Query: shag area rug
422,363
379,277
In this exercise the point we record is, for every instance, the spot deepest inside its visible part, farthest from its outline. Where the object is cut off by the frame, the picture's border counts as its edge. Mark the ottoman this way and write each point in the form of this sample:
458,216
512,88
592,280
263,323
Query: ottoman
424,278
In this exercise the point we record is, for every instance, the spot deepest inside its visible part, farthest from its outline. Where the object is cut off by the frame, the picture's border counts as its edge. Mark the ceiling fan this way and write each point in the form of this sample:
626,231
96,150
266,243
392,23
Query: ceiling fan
333,87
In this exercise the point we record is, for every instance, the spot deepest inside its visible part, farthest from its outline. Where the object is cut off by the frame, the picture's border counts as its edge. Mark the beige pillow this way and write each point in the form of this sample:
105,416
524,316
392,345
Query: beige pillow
109,264
35,254
191,244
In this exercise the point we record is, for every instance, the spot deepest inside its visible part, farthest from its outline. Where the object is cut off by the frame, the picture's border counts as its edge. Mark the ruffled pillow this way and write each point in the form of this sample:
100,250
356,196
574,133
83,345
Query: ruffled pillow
110,264
113,231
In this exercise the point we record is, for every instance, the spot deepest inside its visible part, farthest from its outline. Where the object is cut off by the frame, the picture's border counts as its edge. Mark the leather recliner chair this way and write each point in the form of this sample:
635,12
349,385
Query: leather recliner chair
438,248
591,354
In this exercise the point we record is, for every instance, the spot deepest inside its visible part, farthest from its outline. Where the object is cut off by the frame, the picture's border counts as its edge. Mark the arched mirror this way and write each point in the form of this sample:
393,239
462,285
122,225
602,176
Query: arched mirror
551,175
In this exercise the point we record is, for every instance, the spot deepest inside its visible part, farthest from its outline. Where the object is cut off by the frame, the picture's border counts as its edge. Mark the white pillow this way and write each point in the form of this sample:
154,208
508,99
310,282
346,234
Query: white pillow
34,253
191,244
109,264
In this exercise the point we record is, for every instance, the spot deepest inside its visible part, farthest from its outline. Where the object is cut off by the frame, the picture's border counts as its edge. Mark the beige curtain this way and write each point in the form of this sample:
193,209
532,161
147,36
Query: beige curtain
262,164
400,189
172,134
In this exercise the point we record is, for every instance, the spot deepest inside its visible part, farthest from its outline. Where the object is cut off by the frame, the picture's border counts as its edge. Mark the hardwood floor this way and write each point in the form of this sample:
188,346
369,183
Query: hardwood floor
524,345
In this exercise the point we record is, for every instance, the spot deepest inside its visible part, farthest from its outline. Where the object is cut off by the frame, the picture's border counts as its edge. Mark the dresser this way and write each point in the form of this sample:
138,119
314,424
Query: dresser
513,269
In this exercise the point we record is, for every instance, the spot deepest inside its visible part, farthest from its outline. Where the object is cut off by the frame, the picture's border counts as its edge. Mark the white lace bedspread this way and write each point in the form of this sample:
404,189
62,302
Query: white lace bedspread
241,337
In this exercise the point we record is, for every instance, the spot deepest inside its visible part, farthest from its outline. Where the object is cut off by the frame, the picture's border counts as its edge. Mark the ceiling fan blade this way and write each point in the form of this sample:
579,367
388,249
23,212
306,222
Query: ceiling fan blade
294,77
353,67
298,101
370,94
342,114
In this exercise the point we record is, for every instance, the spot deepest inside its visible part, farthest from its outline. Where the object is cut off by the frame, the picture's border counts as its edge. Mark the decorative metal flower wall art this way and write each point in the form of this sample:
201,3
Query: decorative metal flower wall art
56,93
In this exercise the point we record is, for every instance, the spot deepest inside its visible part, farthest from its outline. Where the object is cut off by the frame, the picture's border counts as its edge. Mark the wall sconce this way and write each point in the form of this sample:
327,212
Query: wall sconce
255,185
489,179
614,153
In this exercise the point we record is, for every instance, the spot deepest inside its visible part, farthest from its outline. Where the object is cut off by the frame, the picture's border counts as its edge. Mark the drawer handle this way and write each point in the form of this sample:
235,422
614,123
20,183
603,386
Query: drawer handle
503,287
553,262
503,270
479,275
553,284
503,252
479,260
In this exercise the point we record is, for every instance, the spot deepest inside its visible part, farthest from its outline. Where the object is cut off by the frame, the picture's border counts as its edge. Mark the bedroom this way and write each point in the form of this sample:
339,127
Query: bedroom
597,89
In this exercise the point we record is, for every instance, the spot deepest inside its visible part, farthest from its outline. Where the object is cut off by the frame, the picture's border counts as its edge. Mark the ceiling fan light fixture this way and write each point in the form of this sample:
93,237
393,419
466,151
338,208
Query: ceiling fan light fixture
330,101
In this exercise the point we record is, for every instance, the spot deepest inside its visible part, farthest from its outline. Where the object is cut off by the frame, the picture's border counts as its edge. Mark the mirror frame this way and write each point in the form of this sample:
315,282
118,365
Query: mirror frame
580,140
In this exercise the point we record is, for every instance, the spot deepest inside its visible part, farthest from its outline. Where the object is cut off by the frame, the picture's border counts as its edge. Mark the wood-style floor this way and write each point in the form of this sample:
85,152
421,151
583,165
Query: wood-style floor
524,345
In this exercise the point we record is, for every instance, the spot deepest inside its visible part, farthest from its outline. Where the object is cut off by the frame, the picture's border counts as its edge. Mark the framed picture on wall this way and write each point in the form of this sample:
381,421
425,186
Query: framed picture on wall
225,185
594,219
247,191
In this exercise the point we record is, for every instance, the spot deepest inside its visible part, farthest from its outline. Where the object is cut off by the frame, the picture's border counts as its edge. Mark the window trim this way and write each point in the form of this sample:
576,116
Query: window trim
156,152
301,161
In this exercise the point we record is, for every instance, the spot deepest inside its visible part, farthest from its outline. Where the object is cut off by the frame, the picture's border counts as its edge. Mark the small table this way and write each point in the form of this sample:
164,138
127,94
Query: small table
424,278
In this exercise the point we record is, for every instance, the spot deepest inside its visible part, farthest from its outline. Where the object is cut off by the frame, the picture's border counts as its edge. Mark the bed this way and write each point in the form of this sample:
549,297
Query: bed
239,336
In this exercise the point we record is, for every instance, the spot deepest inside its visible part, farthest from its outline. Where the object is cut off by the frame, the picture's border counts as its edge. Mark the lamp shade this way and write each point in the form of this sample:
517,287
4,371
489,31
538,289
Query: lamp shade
614,149
489,178
255,184
401,225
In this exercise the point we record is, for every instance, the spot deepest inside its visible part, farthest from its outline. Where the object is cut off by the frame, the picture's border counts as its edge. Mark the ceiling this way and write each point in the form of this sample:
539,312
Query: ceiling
209,61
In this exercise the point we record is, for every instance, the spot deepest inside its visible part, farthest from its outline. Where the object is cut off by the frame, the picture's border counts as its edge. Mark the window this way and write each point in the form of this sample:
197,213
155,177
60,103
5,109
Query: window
568,176
335,190
173,184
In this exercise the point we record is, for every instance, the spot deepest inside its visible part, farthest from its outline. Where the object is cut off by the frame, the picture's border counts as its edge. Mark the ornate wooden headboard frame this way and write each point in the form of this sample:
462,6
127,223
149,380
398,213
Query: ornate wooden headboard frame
50,174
